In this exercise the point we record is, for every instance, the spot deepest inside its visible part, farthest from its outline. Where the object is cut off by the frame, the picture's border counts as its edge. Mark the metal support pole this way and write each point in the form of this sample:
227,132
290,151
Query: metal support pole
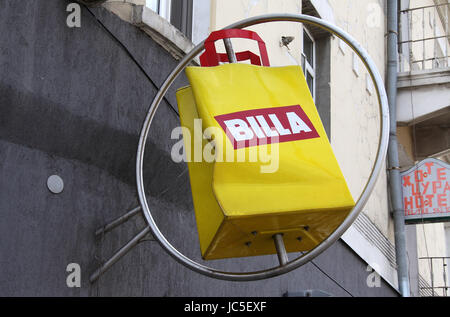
444,276
424,53
432,276
119,254
281,250
277,238
118,221
230,51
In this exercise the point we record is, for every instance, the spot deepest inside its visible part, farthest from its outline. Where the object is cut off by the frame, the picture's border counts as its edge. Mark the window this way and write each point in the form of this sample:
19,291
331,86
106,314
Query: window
316,63
162,7
178,13
309,60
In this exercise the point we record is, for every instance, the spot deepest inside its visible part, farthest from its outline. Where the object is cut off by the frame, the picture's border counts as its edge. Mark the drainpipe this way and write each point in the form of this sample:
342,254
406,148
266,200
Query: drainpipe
393,161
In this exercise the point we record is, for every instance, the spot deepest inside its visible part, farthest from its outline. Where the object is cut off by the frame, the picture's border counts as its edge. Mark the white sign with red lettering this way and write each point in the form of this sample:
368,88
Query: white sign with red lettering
426,192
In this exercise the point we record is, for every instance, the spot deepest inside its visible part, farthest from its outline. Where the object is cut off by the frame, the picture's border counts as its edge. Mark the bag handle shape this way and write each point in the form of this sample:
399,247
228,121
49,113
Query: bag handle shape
211,58
240,56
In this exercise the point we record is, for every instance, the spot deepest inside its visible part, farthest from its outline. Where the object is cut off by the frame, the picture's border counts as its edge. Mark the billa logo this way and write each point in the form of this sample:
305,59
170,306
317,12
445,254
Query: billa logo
265,126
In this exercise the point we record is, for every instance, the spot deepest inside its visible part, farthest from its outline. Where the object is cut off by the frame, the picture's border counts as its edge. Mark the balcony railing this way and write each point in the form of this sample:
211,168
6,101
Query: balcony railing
424,37
439,277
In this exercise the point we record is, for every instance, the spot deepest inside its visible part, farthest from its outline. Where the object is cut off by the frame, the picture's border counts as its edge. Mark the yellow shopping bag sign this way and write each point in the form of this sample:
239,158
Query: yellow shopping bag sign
241,203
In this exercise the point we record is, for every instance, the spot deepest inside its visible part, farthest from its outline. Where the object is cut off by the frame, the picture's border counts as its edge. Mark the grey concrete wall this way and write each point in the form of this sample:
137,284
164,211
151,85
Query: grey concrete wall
72,103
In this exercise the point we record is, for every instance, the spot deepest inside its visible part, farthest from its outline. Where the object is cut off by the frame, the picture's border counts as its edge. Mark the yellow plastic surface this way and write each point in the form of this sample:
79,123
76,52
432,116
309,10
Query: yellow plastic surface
238,208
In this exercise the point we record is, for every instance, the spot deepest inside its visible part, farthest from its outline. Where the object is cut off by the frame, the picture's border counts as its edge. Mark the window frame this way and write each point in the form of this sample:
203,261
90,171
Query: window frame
164,9
306,66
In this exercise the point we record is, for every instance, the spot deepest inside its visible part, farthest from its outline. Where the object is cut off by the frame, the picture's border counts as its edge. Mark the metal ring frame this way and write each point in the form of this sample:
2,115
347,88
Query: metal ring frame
377,166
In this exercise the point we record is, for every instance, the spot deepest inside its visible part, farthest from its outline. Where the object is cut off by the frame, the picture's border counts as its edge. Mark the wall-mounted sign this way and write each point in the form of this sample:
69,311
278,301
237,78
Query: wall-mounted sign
426,192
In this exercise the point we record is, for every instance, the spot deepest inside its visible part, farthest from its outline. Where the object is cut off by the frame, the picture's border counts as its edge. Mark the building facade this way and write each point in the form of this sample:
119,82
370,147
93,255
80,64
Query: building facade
72,105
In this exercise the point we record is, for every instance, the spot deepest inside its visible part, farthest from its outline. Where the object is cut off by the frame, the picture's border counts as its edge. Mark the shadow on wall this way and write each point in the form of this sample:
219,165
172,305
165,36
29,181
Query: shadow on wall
38,123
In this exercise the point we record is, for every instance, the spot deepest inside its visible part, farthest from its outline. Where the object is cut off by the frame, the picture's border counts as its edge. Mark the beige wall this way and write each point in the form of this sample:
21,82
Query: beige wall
355,120
404,134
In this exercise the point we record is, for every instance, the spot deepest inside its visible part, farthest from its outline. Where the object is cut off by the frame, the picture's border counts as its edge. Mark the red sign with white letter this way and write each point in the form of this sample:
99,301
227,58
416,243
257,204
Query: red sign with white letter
265,126
426,192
